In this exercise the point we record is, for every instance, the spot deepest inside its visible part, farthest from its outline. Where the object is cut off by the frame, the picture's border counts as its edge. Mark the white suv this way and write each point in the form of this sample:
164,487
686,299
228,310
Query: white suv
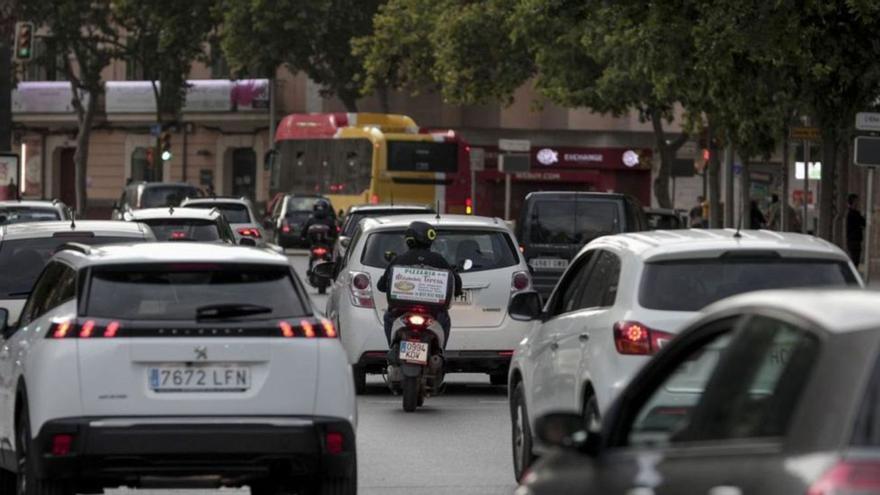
181,362
625,295
482,337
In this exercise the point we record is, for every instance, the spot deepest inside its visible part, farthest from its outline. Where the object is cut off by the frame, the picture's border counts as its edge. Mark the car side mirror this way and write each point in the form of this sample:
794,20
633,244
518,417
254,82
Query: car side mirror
4,321
345,241
324,271
247,241
390,255
525,306
567,431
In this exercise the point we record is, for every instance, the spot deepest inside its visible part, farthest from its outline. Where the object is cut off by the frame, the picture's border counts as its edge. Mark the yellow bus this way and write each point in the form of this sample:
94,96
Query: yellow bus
354,158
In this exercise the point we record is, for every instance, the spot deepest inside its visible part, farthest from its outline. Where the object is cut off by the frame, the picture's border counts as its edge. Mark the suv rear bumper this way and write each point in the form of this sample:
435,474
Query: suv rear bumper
113,451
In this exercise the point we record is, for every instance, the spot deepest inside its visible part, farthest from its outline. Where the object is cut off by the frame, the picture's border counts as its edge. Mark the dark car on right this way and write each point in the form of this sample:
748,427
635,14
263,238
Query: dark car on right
554,226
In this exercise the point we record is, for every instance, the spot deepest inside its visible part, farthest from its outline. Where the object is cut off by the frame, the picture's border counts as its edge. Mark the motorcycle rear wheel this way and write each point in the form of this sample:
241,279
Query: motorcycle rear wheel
410,393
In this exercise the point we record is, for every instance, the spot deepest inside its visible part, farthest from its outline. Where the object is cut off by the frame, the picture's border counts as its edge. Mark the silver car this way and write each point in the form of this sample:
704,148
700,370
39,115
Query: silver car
239,212
33,211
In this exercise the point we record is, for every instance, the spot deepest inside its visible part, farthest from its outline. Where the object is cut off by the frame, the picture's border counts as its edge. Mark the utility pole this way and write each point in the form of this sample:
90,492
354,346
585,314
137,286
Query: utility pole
5,95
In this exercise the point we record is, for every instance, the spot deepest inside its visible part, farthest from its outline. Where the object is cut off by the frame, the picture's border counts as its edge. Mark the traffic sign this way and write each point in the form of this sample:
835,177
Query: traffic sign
868,121
515,145
867,151
478,159
805,134
513,163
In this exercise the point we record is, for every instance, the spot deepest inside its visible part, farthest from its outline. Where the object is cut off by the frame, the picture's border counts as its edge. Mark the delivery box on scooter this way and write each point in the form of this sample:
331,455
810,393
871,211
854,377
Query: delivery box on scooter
420,286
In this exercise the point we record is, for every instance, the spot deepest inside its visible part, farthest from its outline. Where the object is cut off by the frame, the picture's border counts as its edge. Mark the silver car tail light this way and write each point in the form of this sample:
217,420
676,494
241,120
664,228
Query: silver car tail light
520,281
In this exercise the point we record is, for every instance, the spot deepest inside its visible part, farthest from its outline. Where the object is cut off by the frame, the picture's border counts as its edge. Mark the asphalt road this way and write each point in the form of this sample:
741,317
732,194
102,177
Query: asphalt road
458,443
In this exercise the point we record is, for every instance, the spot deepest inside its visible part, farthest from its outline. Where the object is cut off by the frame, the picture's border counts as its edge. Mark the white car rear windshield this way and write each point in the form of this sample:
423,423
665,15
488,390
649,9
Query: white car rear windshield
183,229
487,250
192,291
690,285
234,212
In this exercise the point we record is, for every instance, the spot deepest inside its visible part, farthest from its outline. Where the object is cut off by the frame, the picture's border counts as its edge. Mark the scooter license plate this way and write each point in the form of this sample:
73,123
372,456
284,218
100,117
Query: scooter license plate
414,352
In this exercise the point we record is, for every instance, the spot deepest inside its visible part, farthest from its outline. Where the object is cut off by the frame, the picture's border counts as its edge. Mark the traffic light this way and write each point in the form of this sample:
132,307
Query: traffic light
24,41
165,144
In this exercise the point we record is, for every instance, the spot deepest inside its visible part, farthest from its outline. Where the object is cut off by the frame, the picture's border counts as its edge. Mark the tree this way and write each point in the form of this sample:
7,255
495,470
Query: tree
163,38
314,37
87,41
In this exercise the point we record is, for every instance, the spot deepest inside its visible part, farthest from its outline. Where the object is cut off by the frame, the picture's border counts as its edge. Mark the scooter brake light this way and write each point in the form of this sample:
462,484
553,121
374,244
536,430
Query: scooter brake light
416,320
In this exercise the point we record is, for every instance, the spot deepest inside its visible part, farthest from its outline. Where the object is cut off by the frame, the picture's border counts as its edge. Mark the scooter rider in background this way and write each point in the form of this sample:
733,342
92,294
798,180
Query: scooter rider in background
418,236
320,216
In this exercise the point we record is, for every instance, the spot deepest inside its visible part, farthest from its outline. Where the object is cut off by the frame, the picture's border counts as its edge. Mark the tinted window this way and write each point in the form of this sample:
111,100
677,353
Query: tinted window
21,214
744,384
176,292
299,204
233,212
600,289
571,221
157,196
690,285
21,261
422,156
487,250
664,221
351,221
182,229
571,285
36,304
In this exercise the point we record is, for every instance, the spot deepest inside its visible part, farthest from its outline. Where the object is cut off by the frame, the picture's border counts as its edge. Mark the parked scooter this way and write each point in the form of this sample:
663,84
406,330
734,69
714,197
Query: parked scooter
320,251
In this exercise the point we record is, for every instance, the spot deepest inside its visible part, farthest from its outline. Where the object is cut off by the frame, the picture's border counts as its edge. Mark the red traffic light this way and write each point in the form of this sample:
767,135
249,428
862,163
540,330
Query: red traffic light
24,41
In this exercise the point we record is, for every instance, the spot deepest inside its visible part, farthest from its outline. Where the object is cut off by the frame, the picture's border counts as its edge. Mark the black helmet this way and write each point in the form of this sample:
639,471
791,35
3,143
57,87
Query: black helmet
321,208
419,234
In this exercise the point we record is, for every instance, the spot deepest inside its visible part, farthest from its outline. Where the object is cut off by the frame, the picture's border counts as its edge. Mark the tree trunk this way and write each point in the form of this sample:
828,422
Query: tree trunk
81,155
5,97
661,182
349,100
384,104
830,143
745,196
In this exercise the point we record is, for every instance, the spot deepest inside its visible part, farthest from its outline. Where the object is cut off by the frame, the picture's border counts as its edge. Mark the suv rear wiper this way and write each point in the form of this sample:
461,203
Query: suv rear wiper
220,311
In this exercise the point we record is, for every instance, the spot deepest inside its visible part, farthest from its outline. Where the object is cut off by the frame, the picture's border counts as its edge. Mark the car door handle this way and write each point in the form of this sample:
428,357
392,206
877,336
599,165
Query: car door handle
725,490
4,353
584,337
554,345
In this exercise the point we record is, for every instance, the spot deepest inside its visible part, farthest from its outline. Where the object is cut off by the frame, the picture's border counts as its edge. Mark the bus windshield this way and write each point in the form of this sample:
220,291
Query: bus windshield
326,166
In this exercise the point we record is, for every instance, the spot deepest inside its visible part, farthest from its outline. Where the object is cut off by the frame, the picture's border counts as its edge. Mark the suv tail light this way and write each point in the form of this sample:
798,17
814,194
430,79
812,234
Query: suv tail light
520,281
632,337
250,232
108,329
308,328
361,290
86,329
849,478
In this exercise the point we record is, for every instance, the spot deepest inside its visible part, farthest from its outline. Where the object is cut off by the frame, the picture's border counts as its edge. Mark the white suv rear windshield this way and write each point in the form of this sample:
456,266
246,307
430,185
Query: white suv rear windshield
487,250
188,291
690,285
234,212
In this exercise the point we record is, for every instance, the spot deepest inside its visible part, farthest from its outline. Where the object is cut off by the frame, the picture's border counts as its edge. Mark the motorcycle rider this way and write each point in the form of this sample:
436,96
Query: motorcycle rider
418,236
320,216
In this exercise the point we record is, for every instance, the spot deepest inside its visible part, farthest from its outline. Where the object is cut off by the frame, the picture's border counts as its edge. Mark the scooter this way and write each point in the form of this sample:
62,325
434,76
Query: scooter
415,366
320,251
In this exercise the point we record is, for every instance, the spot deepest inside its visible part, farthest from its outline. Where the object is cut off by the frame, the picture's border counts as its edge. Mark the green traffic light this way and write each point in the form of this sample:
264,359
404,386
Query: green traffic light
166,155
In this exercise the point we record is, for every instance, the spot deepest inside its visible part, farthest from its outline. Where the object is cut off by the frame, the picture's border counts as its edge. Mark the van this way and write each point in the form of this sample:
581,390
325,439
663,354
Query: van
553,226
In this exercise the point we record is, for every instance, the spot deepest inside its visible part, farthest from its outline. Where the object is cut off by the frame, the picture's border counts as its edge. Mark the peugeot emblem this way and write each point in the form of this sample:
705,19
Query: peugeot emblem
201,353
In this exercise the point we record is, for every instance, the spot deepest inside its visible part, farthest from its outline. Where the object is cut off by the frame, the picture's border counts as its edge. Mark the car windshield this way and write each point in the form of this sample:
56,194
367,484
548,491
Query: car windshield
233,212
690,285
158,196
487,250
352,220
184,229
22,214
177,292
22,260
571,221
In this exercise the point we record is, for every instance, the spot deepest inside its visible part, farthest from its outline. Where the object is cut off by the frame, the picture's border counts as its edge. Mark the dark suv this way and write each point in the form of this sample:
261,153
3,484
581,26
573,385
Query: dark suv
553,226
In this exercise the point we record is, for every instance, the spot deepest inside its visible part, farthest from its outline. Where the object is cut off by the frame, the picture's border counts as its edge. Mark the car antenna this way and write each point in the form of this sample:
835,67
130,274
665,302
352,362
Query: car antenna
737,235
392,198
72,218
438,210
171,209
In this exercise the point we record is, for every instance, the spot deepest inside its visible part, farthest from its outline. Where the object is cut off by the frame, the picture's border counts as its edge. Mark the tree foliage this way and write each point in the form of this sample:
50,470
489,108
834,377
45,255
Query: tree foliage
313,36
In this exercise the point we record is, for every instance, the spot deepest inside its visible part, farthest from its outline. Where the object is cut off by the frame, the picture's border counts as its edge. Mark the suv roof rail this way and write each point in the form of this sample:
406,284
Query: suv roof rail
75,246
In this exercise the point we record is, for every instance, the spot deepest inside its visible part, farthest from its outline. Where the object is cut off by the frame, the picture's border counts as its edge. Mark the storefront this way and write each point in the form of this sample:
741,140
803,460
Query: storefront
622,170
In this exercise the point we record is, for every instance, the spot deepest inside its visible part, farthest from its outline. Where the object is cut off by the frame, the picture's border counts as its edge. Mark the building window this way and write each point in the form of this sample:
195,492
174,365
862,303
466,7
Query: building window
219,64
